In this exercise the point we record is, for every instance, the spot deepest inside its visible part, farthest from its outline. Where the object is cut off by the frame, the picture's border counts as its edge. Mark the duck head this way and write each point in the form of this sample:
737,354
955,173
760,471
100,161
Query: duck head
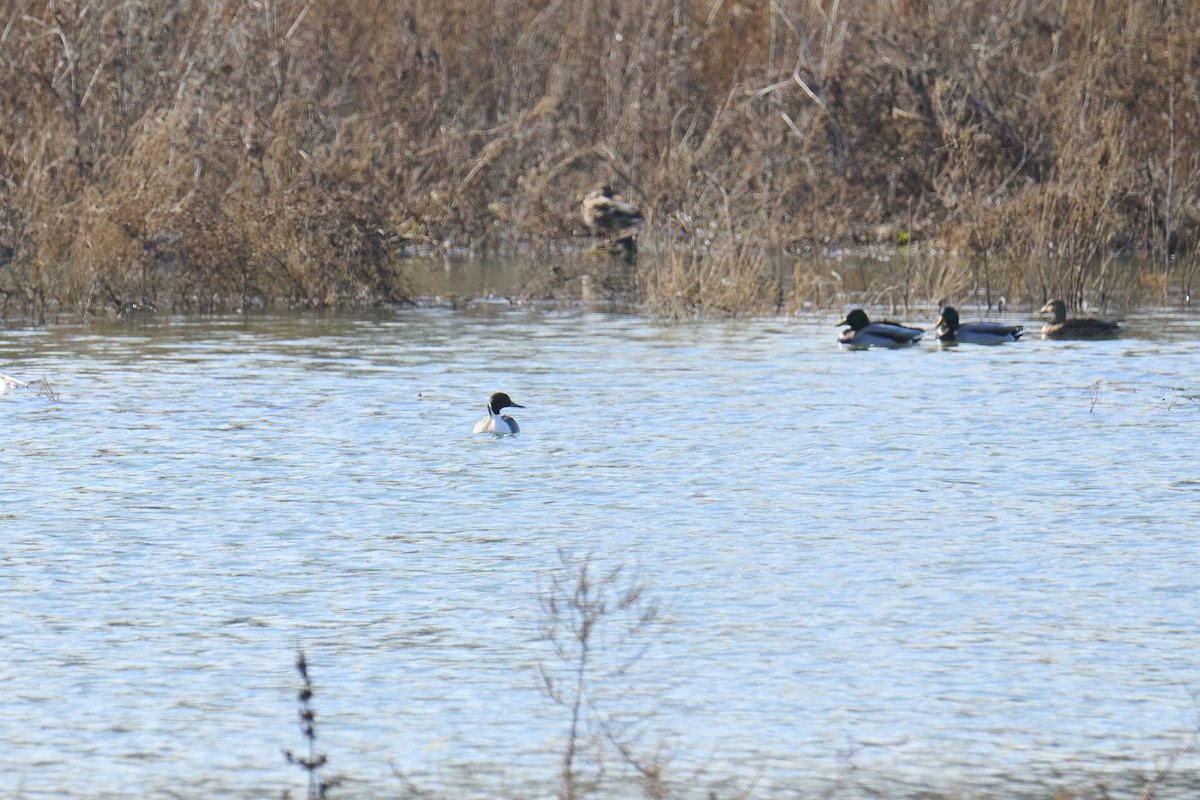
856,319
500,400
1056,307
949,317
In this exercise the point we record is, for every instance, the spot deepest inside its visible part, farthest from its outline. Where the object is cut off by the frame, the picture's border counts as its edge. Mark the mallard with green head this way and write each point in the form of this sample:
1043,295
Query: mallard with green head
864,333
951,331
1059,327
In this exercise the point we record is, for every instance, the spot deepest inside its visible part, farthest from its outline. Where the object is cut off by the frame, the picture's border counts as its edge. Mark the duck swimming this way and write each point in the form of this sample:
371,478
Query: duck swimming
950,330
495,422
864,333
1059,327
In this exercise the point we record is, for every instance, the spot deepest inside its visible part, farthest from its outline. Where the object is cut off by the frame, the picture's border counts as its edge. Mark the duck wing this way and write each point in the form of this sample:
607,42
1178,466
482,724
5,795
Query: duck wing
989,332
894,332
1086,329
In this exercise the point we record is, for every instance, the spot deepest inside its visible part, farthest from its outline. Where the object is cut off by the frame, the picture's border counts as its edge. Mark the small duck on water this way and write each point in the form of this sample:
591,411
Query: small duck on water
1059,327
864,333
495,422
950,330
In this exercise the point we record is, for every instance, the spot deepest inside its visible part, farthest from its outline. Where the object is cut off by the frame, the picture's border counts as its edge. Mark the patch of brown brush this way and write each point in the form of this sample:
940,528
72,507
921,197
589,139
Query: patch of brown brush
203,155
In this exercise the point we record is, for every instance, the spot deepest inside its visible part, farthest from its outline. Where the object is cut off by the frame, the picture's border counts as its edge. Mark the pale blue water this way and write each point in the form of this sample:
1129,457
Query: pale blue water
967,570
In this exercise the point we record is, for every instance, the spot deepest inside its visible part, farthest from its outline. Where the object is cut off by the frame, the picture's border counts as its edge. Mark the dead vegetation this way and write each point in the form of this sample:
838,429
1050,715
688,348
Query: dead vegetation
240,153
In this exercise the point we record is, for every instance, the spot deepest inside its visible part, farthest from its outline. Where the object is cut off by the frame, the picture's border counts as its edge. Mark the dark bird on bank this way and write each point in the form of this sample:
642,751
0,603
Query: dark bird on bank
864,333
610,215
950,330
495,422
1059,327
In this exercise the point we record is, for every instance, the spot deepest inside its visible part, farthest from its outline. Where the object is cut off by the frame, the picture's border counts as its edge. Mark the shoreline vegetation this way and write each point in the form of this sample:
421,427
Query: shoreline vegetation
206,156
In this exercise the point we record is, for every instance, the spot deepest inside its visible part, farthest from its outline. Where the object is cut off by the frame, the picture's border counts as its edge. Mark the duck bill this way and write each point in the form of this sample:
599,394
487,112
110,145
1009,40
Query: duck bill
843,322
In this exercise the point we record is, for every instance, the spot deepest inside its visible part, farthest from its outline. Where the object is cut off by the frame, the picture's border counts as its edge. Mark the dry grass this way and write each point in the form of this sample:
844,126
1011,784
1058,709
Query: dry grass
236,153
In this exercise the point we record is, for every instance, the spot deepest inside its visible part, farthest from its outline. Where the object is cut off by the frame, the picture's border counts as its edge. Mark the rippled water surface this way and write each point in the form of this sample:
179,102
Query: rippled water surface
971,570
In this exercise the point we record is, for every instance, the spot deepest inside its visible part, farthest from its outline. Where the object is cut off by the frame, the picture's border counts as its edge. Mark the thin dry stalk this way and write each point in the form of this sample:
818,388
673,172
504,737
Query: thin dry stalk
313,762
597,626
1150,792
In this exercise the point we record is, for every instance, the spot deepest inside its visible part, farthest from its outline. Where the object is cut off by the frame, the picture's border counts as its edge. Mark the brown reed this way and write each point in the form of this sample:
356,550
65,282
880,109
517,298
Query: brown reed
208,155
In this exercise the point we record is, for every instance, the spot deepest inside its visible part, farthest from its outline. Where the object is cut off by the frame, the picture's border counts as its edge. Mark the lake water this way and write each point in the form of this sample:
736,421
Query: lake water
970,570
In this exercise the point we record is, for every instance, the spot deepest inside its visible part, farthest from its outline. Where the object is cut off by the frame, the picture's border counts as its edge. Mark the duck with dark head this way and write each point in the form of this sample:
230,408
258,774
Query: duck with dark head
864,333
495,422
951,331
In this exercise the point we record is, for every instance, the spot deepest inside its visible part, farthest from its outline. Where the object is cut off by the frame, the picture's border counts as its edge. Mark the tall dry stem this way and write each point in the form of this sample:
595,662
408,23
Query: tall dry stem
598,623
